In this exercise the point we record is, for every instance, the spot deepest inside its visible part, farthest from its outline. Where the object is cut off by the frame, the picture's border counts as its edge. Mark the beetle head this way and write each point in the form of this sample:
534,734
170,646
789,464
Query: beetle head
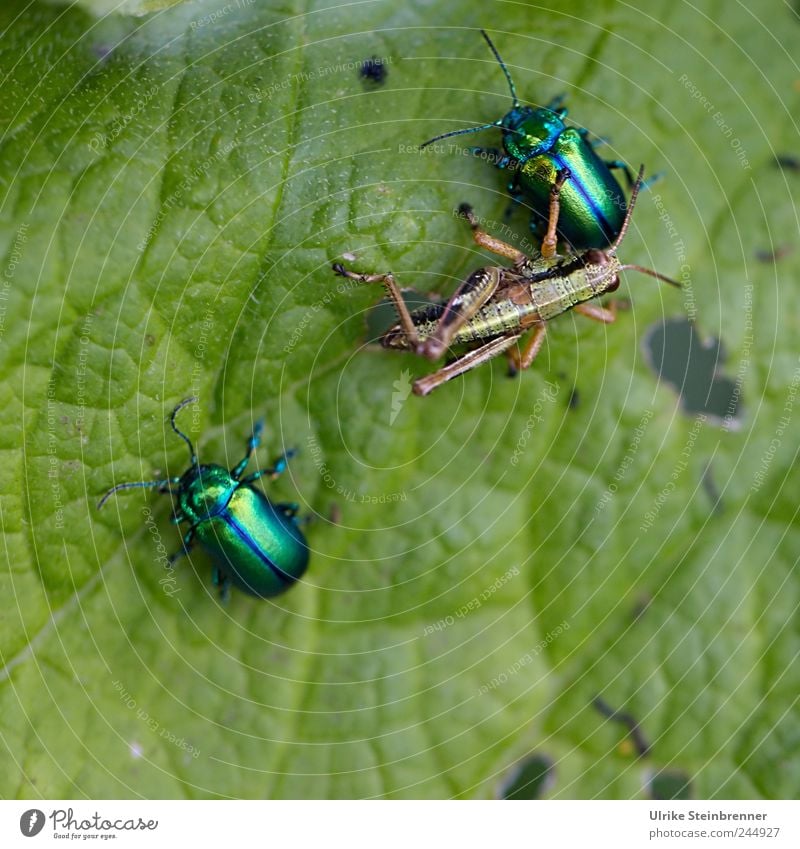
205,491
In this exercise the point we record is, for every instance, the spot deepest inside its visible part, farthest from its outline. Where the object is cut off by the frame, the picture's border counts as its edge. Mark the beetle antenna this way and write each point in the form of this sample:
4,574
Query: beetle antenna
494,123
161,483
656,274
503,66
497,123
459,133
180,433
137,485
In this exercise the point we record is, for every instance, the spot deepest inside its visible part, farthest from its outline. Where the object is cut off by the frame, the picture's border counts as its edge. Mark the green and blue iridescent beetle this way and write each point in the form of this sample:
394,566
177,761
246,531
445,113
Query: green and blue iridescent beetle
538,147
254,544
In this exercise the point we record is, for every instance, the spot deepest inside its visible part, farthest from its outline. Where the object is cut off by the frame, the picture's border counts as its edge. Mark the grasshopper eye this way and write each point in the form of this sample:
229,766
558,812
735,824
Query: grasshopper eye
595,257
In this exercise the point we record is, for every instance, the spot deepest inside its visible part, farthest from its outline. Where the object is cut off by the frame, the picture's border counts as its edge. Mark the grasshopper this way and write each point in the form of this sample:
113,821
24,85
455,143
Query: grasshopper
495,306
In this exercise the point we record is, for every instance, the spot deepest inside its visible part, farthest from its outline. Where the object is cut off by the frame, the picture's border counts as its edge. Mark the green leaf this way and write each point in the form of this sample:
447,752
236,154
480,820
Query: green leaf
137,7
174,190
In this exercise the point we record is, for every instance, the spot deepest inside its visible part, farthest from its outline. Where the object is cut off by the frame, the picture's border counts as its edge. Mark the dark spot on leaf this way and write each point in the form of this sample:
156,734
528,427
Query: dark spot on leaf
102,50
710,487
692,367
774,255
640,608
374,70
787,162
574,399
670,784
635,732
529,779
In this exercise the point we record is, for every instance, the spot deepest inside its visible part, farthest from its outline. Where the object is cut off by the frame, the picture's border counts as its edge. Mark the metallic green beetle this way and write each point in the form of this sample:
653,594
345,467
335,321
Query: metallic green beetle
495,306
253,543
538,147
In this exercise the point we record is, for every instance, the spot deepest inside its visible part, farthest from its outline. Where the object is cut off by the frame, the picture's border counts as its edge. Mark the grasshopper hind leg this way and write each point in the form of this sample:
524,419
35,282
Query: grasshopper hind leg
467,362
395,295
459,310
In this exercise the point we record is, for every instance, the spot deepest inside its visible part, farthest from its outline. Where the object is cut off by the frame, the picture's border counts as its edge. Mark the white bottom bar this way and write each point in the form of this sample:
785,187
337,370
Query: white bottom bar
402,825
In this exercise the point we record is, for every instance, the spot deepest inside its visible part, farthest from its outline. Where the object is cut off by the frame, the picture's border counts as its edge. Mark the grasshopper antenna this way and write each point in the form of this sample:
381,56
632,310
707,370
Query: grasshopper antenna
651,273
624,229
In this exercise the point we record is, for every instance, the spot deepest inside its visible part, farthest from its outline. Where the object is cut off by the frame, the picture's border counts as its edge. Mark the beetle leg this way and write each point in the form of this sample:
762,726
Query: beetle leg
175,556
395,295
187,547
464,303
518,362
252,444
536,225
550,241
594,143
278,467
515,193
492,155
491,243
221,580
607,315
555,105
516,199
618,165
290,510
470,360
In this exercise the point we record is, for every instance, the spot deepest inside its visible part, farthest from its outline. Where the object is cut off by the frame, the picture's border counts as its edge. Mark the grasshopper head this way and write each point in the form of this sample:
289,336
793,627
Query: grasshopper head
602,270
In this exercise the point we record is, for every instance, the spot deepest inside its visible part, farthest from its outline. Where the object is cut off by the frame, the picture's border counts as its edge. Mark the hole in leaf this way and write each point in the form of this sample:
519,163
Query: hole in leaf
692,367
529,779
711,489
670,784
788,161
